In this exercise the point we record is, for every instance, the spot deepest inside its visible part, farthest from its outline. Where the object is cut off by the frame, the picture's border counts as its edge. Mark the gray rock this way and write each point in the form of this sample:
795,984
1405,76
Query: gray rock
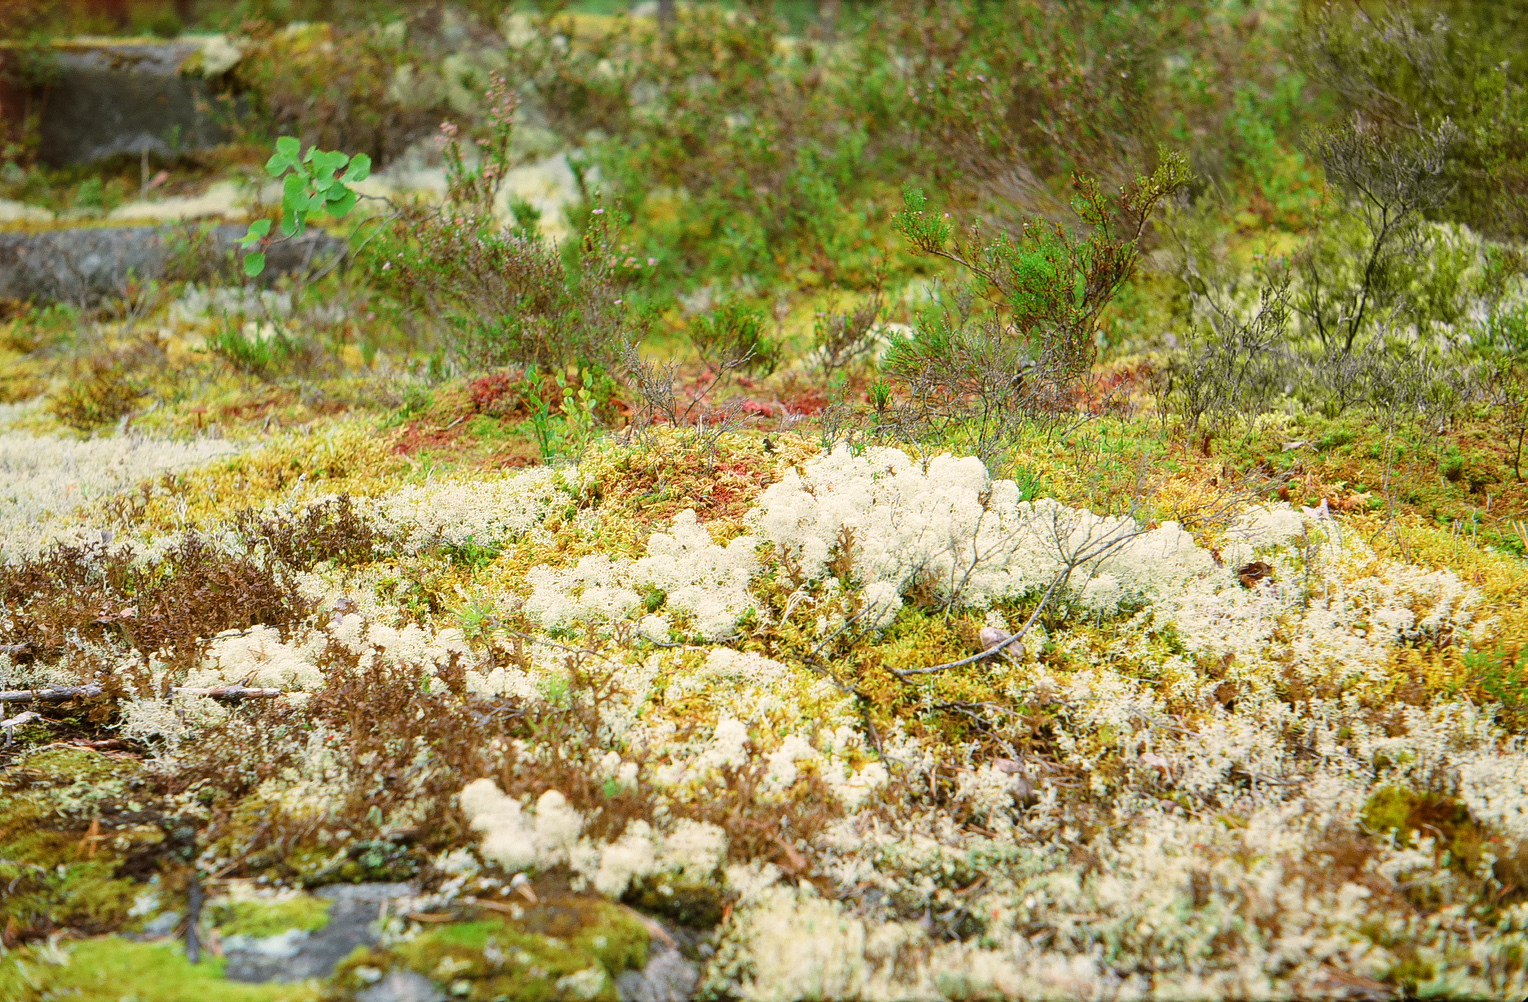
114,97
402,986
668,977
160,925
86,265
293,956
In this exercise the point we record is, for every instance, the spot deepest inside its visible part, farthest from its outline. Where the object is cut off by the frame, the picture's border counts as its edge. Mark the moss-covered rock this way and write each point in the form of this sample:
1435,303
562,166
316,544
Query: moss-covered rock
562,948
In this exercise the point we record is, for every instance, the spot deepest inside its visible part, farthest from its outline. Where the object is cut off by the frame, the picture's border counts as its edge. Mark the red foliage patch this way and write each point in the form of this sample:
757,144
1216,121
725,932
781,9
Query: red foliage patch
810,401
494,393
418,437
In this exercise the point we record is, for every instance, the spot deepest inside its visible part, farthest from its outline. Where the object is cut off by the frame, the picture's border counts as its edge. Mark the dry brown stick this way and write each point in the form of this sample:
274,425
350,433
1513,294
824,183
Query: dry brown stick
54,695
235,692
61,693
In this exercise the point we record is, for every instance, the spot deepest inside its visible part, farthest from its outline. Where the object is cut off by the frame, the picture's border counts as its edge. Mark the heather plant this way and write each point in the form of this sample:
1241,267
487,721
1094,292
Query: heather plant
1411,69
508,295
1504,337
732,336
1387,187
1050,286
1228,371
842,338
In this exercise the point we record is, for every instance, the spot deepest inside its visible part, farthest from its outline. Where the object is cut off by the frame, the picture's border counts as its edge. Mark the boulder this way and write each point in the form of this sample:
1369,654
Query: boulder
107,97
86,265
293,957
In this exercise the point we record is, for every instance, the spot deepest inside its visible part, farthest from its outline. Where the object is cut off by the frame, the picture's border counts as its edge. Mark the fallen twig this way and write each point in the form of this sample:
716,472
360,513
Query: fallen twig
654,928
61,693
1000,646
498,906
194,899
234,692
55,695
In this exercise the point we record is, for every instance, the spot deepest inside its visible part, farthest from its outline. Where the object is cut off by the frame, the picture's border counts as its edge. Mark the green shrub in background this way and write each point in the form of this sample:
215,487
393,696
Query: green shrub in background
1407,69
1021,360
733,335
498,294
332,84
740,151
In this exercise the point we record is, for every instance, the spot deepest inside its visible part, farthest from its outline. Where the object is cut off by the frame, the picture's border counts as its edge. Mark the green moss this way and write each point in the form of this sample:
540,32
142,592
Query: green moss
59,860
522,957
267,918
110,969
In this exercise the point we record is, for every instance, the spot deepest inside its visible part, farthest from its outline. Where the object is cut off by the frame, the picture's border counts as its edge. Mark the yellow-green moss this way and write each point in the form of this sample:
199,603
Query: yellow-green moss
259,918
521,957
110,969
60,869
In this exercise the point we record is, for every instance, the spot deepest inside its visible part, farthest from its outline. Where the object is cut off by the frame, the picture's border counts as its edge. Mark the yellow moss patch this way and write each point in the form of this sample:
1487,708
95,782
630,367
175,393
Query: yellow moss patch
563,947
60,842
112,970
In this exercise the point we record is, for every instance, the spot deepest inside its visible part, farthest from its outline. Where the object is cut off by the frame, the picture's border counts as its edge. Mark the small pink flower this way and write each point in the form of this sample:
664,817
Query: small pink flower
386,265
652,261
599,212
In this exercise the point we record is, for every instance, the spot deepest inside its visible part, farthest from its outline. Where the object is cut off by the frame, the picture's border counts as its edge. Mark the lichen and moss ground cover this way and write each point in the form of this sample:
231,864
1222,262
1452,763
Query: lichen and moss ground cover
708,652
691,694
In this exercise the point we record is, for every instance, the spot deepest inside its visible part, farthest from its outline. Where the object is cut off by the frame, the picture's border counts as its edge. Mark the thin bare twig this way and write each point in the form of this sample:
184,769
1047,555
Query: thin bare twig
1085,554
55,695
997,648
235,692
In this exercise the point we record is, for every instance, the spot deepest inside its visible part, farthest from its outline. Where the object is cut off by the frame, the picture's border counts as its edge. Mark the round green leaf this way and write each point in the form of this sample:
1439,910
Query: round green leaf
360,168
337,207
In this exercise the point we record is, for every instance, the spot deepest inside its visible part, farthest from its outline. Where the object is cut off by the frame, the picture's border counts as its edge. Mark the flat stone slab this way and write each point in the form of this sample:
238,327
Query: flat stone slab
84,266
295,955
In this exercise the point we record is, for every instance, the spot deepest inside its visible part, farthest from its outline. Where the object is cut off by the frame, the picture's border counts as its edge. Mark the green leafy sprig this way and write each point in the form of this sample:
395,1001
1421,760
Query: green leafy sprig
310,183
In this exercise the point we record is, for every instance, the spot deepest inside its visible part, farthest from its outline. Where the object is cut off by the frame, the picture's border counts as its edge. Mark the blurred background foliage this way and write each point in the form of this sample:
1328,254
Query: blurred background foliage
1342,236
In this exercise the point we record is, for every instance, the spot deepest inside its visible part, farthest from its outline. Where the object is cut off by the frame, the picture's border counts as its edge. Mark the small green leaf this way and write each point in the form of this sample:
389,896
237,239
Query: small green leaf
291,223
337,207
327,163
360,168
258,230
254,264
285,156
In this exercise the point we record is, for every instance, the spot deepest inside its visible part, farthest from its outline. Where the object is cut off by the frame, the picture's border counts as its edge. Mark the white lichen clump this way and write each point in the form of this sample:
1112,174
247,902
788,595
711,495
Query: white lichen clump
703,582
549,834
46,478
